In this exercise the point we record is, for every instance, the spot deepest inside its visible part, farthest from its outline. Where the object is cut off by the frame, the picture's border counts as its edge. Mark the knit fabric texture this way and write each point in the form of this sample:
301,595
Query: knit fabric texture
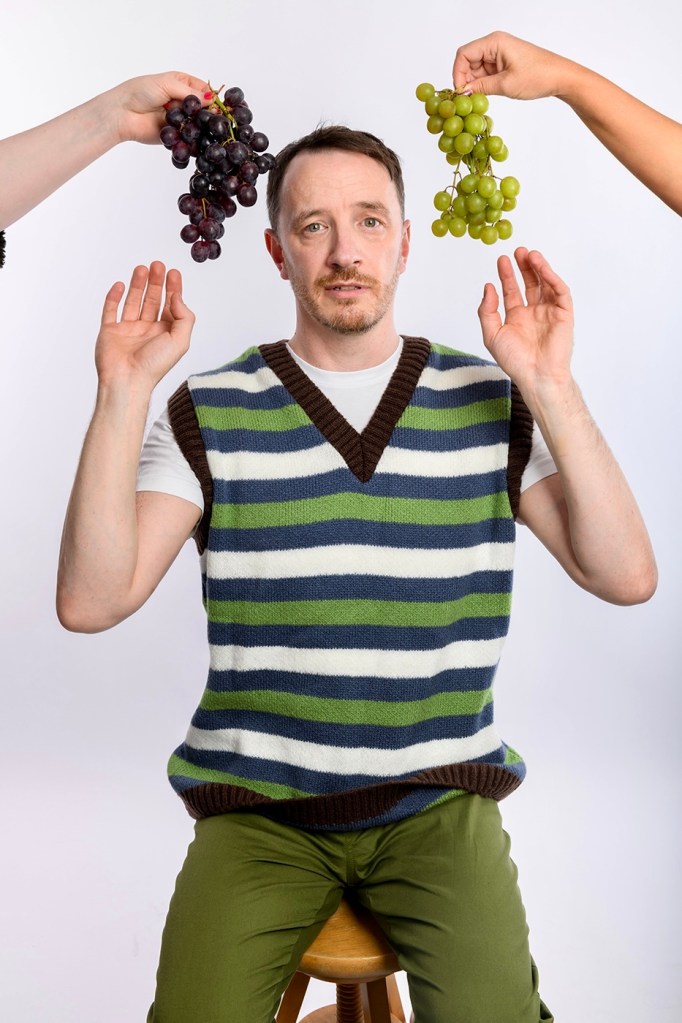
357,587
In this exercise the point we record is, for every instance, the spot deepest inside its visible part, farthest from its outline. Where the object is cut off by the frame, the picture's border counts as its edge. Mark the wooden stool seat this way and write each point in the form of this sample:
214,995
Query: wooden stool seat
351,952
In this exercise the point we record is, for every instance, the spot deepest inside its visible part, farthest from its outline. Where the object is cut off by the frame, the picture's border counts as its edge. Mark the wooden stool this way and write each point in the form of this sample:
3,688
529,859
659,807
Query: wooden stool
351,952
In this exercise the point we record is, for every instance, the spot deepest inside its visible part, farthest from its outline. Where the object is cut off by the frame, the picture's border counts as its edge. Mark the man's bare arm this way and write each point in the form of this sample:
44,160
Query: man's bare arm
585,514
117,544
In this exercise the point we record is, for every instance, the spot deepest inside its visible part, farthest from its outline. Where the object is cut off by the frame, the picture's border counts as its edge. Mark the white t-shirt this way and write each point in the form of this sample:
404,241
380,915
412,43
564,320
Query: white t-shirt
355,394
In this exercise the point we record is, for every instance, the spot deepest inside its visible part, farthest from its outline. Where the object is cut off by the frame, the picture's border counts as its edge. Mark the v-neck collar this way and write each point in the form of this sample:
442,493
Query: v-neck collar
360,451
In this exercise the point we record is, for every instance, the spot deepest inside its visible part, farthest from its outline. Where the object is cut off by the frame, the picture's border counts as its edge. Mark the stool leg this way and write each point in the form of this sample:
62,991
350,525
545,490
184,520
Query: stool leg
349,1004
292,1000
375,999
394,1002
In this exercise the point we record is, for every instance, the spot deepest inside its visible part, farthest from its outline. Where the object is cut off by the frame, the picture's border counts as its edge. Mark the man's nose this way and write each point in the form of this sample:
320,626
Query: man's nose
344,250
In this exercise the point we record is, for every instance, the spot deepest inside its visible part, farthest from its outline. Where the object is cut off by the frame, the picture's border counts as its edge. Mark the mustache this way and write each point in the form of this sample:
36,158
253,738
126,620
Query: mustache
345,276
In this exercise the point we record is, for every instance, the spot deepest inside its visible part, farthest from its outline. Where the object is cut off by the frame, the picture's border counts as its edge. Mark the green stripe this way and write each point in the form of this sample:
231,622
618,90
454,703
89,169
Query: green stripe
393,613
363,507
253,350
349,712
450,419
290,417
512,757
444,350
178,766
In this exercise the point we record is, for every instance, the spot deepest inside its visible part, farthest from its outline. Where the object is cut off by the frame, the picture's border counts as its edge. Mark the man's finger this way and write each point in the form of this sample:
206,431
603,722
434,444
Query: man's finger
153,295
551,280
488,313
531,280
173,287
112,302
511,293
131,306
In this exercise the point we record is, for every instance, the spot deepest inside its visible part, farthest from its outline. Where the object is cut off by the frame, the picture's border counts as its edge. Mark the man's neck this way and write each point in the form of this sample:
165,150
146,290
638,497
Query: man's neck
330,350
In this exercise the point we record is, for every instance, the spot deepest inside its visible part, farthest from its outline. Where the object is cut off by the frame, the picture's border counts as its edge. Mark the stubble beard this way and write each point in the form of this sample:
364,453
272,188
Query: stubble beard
348,319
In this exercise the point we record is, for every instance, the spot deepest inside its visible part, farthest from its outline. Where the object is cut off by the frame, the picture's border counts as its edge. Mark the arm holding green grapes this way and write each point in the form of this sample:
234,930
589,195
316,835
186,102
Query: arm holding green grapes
585,514
500,64
36,162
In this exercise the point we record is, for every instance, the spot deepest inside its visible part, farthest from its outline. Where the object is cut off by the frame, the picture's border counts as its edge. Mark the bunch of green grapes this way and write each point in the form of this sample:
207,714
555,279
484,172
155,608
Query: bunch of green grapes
476,201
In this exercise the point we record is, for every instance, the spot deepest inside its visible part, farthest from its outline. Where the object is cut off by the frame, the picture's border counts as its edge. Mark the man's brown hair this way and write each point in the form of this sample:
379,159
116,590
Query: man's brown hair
334,136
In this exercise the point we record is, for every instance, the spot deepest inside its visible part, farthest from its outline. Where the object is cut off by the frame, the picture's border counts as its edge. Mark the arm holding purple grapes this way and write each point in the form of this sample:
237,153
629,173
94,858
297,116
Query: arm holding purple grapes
500,64
36,162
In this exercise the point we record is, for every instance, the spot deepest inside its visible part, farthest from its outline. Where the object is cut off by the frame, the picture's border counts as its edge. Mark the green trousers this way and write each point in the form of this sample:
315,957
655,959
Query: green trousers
253,894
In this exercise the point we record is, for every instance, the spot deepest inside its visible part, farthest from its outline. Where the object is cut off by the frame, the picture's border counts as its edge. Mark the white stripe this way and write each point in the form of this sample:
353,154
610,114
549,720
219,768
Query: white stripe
358,559
449,379
345,760
443,464
334,662
255,465
262,380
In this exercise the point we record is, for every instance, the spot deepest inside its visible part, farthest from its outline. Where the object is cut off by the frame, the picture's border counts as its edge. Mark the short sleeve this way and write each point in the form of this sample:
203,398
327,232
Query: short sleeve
164,468
540,463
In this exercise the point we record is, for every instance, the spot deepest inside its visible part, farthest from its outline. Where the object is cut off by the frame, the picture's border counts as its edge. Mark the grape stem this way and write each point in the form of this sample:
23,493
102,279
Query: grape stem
217,102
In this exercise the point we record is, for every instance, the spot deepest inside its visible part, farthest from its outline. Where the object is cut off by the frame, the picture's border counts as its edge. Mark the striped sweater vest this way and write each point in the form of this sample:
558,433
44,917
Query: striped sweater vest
357,587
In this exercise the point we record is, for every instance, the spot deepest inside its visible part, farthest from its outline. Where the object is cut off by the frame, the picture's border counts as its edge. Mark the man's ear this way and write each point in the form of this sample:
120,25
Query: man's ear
275,249
405,245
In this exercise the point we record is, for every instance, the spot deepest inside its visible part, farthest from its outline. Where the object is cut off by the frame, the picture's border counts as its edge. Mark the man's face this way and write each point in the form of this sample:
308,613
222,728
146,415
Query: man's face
341,240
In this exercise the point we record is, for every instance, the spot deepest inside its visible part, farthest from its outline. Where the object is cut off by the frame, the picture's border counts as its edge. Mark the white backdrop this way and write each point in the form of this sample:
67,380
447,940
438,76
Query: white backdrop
93,836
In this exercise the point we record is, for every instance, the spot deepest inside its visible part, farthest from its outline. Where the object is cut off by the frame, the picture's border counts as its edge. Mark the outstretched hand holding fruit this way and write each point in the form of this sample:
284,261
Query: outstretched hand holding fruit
500,64
132,111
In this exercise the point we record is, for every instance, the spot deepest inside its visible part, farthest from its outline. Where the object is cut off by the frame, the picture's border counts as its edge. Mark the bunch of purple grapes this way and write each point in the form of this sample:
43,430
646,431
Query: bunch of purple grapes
229,155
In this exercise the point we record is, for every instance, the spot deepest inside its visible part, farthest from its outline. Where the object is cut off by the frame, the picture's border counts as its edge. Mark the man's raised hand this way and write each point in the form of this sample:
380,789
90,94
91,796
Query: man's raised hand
153,331
534,343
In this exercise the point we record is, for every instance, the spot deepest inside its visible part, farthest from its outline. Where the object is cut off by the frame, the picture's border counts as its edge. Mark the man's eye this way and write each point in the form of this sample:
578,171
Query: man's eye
313,228
371,222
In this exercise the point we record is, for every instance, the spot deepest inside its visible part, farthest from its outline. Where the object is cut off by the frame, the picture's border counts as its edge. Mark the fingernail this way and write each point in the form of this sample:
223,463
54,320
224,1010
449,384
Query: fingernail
207,95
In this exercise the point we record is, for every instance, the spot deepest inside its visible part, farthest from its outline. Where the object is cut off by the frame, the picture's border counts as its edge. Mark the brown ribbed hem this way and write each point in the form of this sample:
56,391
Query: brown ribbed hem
183,420
520,443
348,808
360,451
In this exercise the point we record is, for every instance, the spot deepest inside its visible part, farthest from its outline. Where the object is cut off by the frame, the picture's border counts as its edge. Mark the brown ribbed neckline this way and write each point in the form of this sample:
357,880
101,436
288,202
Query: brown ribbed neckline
360,451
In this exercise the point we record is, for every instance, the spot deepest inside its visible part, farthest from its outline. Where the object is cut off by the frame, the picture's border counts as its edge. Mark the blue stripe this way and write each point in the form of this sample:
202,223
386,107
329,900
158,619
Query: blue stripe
228,398
339,481
301,437
351,736
356,531
316,783
365,687
262,441
454,359
359,587
459,438
277,396
361,637
458,397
